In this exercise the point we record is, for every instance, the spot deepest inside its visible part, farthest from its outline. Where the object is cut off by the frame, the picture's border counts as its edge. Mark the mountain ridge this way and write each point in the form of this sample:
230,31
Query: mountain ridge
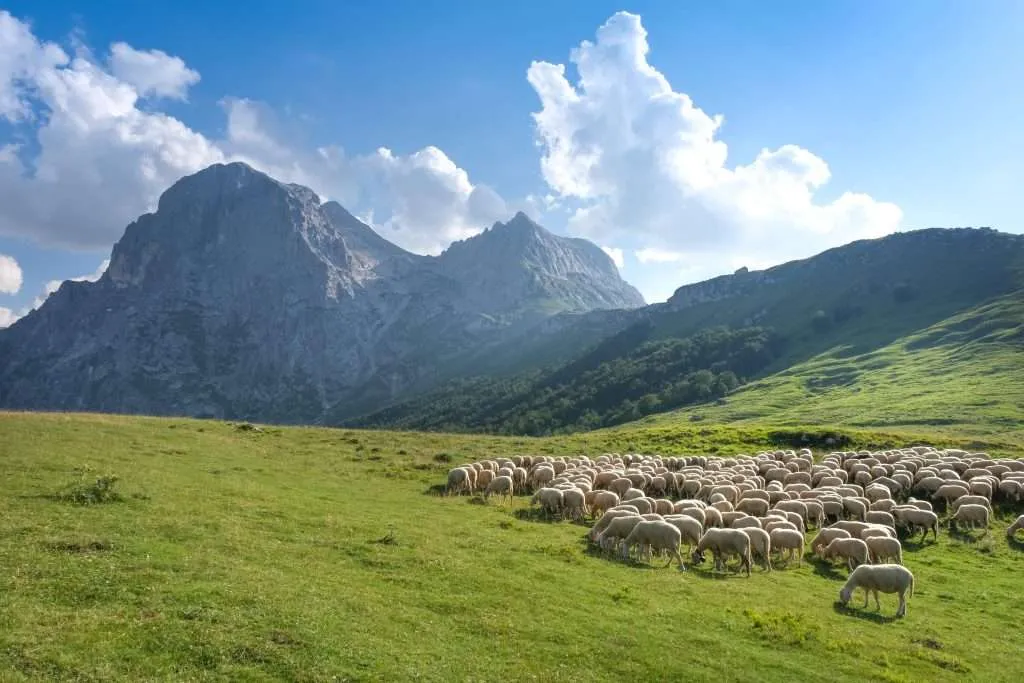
242,296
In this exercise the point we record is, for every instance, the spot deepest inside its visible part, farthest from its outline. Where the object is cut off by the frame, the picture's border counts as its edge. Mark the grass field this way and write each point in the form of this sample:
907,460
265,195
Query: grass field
961,378
314,554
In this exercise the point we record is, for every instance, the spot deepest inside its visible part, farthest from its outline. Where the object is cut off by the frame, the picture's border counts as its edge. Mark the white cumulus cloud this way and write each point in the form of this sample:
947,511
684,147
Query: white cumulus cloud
99,158
655,255
616,256
10,275
152,72
645,168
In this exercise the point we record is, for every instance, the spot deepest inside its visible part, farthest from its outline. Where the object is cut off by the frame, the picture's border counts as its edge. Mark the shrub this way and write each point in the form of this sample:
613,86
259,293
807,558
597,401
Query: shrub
91,489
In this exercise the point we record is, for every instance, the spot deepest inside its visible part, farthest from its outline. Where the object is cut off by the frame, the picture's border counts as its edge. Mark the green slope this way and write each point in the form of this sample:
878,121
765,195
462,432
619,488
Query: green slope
866,300
964,374
316,554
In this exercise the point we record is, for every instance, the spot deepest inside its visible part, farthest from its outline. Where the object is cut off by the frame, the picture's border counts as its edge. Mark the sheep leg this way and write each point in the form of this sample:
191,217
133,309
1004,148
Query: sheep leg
878,605
902,609
867,595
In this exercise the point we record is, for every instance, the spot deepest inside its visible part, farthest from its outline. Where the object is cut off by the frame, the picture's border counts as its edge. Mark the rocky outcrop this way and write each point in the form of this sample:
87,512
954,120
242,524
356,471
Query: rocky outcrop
244,297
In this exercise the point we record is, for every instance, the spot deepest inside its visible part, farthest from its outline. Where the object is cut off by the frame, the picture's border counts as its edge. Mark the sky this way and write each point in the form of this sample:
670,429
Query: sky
686,139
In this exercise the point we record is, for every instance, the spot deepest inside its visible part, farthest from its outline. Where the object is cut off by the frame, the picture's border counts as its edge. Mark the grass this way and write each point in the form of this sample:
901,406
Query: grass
963,377
316,554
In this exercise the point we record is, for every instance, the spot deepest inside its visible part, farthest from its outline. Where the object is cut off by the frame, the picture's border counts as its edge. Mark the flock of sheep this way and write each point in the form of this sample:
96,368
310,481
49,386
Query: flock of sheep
757,507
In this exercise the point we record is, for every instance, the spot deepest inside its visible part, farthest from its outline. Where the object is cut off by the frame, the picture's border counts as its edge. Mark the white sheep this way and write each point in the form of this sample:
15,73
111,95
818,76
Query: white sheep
574,503
602,501
550,500
826,536
971,514
760,545
722,543
656,535
458,481
853,550
884,548
689,527
971,500
1017,525
914,518
754,507
503,486
791,541
618,529
876,578
607,519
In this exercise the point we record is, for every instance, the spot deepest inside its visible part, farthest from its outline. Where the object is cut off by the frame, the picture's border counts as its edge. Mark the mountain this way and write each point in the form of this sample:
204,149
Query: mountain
520,263
244,297
867,301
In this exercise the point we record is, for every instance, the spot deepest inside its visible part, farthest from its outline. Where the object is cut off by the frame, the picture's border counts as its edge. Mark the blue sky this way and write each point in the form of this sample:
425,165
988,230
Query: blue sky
915,107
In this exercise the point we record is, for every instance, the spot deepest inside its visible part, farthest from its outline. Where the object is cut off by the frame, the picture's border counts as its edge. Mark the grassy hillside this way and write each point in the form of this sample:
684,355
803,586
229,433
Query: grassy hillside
964,375
315,554
867,299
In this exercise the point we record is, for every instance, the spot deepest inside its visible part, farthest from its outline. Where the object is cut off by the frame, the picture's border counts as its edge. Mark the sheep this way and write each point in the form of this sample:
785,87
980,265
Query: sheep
760,545
853,550
913,518
875,578
949,492
619,528
753,506
971,500
632,494
789,540
971,514
550,500
746,523
826,536
602,501
458,481
607,519
855,507
689,527
723,542
658,535
884,548
573,503
1015,527
780,524
503,487
880,517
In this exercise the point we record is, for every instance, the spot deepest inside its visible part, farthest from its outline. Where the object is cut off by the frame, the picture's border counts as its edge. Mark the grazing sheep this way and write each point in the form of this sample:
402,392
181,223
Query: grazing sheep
722,543
632,494
914,518
753,506
880,517
689,527
883,548
789,540
826,536
712,517
780,524
503,486
971,514
618,529
876,578
971,500
574,504
855,507
602,501
550,500
760,545
746,523
607,519
656,535
1017,525
458,481
853,550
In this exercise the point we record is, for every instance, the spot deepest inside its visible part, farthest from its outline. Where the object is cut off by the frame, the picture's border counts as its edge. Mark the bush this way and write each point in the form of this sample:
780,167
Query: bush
91,489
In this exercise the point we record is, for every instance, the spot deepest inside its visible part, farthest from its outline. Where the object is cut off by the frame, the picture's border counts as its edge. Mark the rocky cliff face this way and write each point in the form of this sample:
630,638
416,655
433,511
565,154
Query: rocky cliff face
519,267
243,297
